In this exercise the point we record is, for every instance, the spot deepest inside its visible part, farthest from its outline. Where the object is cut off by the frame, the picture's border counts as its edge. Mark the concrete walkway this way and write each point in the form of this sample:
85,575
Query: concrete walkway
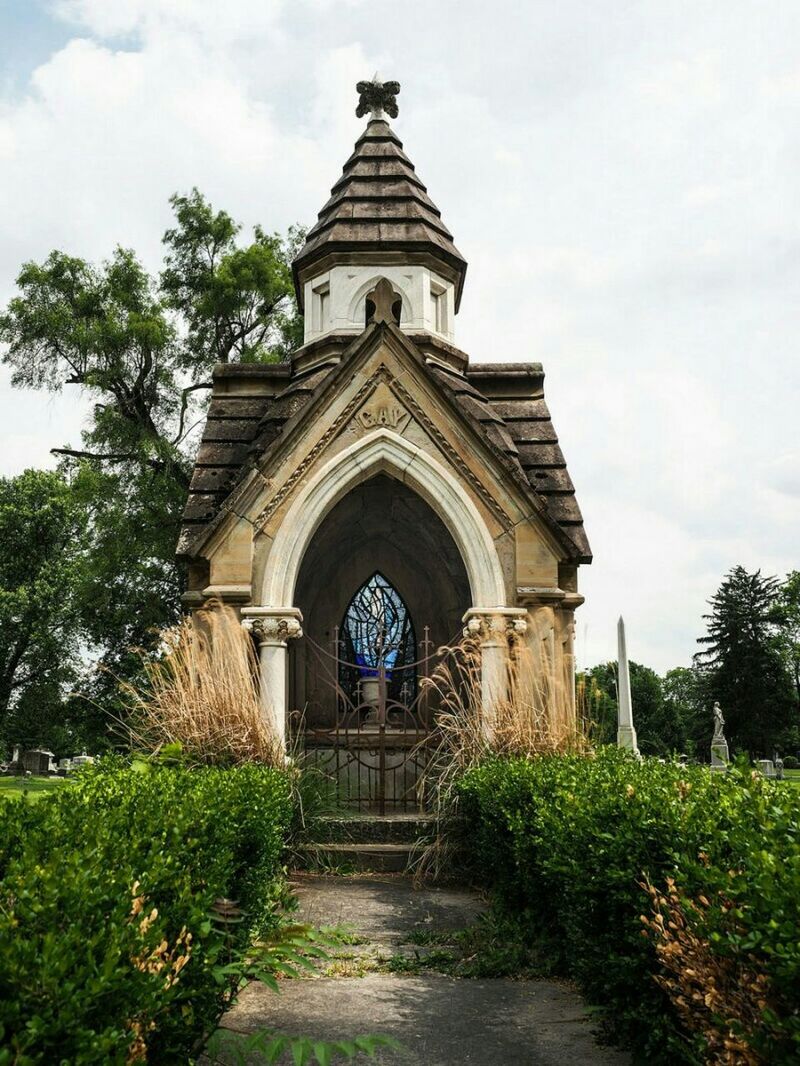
439,1019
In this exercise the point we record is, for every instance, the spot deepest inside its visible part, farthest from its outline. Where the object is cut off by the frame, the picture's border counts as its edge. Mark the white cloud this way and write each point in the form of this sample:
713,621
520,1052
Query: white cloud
621,178
211,20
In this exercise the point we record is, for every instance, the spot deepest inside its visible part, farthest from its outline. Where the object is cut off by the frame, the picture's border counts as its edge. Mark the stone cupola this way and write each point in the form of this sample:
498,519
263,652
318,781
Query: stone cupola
379,223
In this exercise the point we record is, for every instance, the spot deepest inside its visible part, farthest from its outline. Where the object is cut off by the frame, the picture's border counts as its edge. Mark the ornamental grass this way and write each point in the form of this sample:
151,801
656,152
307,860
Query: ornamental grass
202,696
536,716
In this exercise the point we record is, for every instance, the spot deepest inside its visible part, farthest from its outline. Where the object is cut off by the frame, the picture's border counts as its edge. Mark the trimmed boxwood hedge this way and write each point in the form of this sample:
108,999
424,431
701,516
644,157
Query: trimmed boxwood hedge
565,842
106,946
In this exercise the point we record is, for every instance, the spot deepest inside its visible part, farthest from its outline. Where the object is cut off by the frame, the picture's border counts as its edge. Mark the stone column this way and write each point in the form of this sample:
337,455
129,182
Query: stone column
566,614
494,630
272,628
552,627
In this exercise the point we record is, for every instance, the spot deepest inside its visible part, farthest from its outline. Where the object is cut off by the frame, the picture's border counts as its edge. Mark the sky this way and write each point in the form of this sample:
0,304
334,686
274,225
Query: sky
621,176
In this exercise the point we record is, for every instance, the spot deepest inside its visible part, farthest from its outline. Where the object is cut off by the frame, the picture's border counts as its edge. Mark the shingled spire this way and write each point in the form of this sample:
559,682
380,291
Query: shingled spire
379,210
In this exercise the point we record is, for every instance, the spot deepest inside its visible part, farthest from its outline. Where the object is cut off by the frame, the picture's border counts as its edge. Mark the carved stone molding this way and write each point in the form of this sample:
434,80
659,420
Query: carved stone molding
572,601
270,626
537,595
435,433
333,429
506,623
347,415
384,451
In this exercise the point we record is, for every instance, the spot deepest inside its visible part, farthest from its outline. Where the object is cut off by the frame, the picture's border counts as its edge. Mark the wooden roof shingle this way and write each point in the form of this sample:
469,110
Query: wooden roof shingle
504,402
379,205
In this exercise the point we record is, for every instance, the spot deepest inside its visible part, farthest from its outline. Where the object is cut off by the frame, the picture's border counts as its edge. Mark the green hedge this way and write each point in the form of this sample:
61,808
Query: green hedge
88,973
566,842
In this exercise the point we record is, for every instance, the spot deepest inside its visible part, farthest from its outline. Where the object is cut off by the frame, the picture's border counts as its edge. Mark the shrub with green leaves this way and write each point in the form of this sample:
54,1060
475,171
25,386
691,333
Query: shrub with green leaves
107,949
567,843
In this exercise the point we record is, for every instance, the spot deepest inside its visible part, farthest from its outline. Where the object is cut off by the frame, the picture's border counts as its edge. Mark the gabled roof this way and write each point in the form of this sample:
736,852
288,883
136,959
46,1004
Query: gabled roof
516,396
514,423
379,205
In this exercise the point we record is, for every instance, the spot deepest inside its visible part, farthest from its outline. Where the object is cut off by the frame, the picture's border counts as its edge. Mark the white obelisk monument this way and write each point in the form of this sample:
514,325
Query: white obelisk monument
626,734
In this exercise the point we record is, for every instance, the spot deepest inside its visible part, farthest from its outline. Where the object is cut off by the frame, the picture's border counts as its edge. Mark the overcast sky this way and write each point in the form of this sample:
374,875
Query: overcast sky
622,178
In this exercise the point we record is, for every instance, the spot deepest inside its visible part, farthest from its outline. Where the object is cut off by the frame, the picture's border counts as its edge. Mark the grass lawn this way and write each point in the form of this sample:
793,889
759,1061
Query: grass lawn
793,776
35,787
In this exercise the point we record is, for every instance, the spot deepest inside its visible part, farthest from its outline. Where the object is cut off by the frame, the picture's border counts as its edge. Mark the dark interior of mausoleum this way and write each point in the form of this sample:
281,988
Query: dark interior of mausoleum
380,534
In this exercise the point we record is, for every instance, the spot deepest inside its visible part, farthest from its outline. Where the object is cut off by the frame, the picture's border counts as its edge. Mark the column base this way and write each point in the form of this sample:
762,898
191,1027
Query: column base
626,738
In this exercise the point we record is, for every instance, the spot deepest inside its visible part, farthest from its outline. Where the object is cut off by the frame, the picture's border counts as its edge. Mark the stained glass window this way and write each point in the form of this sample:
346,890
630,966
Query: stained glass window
376,633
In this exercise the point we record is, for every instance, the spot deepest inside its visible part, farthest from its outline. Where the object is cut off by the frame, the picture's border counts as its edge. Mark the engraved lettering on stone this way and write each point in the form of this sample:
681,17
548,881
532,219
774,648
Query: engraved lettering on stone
384,415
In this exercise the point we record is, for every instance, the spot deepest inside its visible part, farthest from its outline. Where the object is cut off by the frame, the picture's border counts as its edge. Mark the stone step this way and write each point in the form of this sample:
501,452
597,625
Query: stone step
375,829
377,858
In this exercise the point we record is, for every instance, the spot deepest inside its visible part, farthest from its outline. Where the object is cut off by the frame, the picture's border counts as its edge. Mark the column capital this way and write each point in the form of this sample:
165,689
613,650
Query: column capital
273,625
495,623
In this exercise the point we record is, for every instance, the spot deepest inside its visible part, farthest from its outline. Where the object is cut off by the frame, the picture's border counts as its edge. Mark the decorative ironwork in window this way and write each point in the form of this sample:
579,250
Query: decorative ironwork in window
377,637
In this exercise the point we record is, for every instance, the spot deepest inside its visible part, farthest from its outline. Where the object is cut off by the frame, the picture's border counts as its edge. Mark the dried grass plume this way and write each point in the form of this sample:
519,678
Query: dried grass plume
202,694
536,717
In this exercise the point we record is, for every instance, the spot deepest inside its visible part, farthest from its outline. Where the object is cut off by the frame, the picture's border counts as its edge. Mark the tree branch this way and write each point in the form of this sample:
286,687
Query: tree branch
185,404
109,457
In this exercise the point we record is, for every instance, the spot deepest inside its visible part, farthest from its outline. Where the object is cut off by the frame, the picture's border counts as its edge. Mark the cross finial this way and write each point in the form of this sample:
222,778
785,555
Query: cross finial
377,96
384,303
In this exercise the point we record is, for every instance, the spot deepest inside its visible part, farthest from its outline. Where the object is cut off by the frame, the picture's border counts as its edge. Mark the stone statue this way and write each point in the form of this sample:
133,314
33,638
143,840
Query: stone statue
719,745
719,723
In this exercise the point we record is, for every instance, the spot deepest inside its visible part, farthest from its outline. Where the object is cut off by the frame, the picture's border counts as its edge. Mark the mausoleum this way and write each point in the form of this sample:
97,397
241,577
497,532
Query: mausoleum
365,501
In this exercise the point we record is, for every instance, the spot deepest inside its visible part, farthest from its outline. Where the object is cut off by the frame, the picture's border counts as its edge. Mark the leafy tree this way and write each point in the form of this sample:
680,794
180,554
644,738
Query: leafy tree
658,726
597,701
741,662
236,303
683,691
143,349
42,530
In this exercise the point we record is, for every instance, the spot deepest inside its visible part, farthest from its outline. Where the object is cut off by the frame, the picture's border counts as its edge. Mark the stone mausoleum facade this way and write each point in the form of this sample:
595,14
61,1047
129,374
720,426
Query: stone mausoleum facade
380,491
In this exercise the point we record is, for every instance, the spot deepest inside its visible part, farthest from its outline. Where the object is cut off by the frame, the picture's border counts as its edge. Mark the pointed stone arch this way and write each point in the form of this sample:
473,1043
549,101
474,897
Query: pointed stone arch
384,452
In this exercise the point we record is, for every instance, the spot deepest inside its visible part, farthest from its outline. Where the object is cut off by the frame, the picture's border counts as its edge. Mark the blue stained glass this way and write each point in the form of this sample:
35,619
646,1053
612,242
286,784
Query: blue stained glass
376,626
377,639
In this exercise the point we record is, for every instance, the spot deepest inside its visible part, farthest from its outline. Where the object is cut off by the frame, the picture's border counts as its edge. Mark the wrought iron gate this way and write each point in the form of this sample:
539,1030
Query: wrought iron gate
377,748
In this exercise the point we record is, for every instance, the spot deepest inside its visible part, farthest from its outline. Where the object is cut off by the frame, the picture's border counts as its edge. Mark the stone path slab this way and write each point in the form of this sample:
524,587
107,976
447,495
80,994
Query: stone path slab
440,1020
384,909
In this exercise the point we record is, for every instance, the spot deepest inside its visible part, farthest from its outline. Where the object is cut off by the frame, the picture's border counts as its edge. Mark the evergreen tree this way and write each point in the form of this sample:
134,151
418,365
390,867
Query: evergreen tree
741,663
